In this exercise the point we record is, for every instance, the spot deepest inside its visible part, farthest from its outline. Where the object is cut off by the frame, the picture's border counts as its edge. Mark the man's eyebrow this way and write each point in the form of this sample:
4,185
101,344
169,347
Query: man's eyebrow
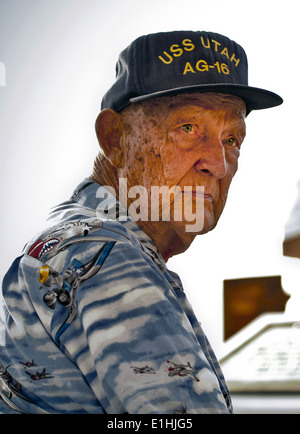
239,125
176,111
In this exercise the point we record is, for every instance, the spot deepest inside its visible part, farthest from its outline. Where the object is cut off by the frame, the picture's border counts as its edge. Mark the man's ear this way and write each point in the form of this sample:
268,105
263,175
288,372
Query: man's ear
109,129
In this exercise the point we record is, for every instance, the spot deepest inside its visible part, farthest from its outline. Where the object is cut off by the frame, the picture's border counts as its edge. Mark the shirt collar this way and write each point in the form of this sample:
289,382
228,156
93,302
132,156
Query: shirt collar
102,199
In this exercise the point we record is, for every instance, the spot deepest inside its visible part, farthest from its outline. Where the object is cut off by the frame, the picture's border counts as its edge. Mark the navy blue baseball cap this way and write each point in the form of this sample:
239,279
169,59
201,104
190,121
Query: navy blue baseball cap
177,62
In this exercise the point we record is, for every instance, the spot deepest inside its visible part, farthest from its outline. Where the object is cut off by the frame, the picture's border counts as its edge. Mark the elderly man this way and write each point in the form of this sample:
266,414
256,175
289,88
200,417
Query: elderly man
95,321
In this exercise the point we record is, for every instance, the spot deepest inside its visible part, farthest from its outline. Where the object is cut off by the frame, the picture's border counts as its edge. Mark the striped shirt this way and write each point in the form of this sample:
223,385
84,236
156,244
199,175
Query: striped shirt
96,323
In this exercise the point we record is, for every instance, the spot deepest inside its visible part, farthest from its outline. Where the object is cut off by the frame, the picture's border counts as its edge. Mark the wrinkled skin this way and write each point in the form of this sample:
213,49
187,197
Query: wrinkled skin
185,140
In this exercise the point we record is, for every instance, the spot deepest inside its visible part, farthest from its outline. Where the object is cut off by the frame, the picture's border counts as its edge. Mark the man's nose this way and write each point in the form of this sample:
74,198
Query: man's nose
212,161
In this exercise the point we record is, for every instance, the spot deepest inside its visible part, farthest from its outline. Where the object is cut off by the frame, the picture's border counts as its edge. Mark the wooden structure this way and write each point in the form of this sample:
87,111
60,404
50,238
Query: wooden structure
246,299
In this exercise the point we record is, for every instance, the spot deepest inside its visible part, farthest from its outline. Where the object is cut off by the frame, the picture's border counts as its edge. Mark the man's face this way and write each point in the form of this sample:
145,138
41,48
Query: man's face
188,140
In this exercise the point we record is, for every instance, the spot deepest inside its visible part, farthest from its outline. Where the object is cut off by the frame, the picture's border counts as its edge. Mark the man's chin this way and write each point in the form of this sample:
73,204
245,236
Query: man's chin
201,226
194,228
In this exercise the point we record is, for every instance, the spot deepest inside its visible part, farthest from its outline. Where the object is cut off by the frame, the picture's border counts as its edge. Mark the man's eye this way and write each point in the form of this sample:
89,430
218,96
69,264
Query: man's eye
230,141
187,128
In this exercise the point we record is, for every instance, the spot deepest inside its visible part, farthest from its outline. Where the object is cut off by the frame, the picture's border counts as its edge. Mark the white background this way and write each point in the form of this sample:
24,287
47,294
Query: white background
60,57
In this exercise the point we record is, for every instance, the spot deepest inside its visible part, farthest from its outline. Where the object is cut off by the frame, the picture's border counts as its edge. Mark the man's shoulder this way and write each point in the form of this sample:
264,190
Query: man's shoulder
85,218
82,234
70,253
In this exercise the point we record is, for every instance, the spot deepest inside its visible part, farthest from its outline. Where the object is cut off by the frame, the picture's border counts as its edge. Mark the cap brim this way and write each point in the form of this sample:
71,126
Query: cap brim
255,98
